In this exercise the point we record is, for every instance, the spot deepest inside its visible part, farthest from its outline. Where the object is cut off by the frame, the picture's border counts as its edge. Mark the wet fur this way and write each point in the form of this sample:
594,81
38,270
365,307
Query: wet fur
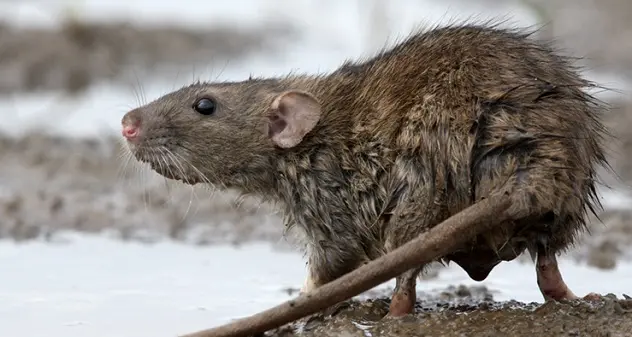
408,138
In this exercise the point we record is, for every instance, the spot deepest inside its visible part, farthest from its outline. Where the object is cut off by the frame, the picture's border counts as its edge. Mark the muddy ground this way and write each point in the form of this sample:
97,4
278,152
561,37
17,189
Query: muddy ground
468,311
49,185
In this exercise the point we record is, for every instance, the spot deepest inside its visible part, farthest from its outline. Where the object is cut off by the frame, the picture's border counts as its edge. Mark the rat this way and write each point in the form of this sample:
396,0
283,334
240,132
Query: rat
378,152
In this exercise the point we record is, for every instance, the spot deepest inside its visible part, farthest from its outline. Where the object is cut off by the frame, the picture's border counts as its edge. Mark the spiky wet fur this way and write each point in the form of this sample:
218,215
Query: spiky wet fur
408,138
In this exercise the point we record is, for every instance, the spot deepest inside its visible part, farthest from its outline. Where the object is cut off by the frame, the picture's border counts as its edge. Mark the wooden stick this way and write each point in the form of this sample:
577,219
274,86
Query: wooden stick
426,248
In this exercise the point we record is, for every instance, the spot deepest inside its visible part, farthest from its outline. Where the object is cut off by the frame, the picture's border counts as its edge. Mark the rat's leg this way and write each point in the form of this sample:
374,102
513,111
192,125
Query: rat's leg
405,294
550,281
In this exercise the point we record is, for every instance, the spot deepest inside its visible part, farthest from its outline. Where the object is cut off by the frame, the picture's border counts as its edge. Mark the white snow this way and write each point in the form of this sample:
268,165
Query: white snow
104,288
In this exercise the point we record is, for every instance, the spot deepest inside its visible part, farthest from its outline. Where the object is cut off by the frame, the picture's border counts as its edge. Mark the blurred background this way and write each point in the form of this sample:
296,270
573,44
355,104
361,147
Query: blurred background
84,233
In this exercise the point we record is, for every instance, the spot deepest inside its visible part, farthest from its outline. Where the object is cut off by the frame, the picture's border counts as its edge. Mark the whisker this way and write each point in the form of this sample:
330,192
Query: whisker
175,161
201,175
124,157
167,169
147,194
177,164
210,186
141,90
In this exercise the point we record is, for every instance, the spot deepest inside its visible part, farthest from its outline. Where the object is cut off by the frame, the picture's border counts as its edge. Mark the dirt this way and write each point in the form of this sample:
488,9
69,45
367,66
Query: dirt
462,311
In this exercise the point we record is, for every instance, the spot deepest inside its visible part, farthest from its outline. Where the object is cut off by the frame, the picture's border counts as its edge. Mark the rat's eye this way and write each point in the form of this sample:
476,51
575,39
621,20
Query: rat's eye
205,106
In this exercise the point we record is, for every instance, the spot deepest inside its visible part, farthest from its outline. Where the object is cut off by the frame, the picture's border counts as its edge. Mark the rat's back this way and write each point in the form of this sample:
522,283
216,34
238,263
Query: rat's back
475,110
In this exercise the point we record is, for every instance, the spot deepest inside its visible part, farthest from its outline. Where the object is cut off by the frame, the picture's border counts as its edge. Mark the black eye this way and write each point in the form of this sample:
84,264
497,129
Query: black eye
205,106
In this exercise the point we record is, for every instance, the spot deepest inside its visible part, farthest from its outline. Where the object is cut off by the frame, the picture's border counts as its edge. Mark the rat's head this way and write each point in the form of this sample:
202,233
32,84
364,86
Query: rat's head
227,134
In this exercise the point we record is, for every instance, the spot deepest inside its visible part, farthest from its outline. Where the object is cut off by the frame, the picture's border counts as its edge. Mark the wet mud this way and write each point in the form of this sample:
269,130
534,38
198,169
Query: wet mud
463,312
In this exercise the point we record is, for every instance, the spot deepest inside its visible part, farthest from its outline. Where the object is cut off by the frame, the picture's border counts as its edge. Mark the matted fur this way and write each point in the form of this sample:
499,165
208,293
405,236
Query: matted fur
407,138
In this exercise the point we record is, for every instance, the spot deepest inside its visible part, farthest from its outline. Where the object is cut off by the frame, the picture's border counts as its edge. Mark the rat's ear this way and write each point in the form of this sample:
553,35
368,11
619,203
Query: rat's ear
293,114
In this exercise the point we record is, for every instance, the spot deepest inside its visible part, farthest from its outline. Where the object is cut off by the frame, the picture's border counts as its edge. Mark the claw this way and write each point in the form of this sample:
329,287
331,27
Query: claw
402,304
552,284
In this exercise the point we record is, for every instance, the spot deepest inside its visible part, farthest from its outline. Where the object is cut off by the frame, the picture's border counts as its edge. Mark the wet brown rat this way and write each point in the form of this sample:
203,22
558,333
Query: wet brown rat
378,152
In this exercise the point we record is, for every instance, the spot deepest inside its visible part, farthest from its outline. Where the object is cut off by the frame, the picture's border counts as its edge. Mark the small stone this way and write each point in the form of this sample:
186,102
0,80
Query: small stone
463,291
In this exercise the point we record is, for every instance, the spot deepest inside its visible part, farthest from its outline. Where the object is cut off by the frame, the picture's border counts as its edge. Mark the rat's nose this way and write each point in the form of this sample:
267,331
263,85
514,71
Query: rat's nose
130,132
130,127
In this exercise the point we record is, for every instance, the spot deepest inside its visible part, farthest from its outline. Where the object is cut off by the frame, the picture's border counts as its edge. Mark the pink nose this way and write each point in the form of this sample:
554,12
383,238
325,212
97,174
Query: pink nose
130,132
